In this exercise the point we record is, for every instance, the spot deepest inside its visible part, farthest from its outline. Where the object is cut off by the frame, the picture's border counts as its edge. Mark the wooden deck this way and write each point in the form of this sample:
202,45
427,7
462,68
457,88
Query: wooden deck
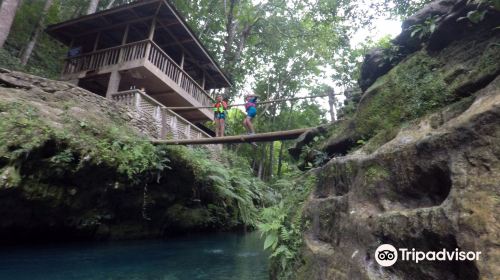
150,61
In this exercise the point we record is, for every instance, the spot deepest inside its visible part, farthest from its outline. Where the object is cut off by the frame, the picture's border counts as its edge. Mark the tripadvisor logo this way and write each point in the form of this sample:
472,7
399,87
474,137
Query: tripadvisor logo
388,255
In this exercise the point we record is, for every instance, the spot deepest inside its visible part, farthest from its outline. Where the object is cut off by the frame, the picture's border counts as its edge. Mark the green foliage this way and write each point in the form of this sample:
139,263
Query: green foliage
283,225
409,91
478,15
425,29
402,9
186,218
10,62
391,52
105,144
234,186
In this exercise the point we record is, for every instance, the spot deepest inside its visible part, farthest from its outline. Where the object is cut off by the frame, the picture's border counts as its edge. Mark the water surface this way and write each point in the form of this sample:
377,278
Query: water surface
220,256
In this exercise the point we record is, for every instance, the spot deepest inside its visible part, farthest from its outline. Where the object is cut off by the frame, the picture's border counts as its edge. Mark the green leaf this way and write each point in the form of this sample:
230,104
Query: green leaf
415,32
496,4
271,241
432,28
474,16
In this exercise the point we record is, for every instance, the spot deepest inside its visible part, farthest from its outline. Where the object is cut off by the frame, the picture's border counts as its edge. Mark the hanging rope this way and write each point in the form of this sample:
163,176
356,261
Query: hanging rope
262,102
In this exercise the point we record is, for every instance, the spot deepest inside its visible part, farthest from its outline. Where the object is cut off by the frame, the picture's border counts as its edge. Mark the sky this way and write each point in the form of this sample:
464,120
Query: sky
382,28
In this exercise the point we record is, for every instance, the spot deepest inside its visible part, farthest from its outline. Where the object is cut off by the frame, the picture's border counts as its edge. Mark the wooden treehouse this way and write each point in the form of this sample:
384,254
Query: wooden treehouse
144,45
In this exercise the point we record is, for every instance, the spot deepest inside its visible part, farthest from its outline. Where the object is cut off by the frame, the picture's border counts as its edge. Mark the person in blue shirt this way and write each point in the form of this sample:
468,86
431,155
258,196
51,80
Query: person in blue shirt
251,108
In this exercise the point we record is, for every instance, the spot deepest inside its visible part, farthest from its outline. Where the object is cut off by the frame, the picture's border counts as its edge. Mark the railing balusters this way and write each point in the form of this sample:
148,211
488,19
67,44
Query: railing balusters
166,120
106,57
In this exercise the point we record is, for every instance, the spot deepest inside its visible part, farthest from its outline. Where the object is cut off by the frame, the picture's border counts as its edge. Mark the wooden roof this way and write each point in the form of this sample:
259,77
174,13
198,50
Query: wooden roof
172,33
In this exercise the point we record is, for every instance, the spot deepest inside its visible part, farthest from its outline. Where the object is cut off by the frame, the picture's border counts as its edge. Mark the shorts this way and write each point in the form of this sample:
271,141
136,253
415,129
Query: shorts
251,112
220,116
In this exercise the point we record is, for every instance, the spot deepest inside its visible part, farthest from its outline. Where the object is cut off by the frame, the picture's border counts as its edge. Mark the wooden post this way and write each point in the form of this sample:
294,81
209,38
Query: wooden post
182,61
203,81
174,127
124,41
125,34
188,131
113,84
138,101
179,80
150,38
96,43
163,131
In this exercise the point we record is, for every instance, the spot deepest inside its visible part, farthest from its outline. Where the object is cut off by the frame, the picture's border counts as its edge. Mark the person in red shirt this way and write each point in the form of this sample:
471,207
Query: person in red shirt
220,110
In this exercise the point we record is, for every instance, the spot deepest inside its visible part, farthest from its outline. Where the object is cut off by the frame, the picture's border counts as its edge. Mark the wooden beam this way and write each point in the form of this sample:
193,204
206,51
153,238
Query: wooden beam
102,13
261,137
163,94
112,26
170,24
174,44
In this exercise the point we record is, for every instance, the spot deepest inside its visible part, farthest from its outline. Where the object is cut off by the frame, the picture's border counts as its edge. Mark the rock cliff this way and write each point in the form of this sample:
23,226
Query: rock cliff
418,165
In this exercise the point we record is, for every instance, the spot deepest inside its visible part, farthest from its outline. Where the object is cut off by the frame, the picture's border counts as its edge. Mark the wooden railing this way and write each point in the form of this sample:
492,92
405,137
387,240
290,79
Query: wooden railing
170,68
135,51
106,57
169,124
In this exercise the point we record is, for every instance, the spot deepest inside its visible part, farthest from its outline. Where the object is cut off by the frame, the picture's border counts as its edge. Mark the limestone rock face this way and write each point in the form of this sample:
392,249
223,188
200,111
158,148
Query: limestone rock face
435,186
450,23
418,164
375,64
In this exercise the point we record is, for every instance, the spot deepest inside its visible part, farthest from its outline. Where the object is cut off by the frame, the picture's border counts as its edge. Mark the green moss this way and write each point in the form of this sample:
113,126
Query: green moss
374,173
487,63
188,218
9,177
410,90
90,140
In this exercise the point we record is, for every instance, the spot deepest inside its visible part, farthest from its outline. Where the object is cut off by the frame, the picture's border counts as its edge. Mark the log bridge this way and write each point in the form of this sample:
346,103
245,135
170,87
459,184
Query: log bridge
261,137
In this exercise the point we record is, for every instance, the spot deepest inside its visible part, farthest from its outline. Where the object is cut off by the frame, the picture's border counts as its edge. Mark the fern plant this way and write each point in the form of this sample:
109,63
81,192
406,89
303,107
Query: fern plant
283,225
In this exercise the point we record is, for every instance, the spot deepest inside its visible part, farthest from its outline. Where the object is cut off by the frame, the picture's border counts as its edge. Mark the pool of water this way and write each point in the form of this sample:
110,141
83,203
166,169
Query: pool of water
219,256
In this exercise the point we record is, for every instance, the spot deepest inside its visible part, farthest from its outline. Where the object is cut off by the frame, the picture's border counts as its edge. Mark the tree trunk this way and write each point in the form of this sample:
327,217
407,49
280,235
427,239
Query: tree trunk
231,32
331,101
110,4
28,50
280,156
92,6
7,14
261,163
280,160
271,160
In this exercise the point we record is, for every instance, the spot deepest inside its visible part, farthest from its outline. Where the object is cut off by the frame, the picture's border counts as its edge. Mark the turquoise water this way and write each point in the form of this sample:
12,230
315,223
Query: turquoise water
220,256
